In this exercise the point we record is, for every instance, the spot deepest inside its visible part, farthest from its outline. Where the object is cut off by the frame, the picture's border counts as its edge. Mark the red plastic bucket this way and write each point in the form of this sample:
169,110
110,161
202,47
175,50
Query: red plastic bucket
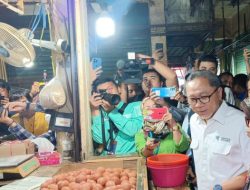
168,170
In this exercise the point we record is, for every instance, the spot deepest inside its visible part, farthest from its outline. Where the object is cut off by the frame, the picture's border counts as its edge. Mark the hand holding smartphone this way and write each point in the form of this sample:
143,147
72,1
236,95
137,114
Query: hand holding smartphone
159,51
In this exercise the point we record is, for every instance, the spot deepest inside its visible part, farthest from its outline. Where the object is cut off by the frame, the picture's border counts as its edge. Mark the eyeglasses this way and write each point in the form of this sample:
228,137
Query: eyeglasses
202,99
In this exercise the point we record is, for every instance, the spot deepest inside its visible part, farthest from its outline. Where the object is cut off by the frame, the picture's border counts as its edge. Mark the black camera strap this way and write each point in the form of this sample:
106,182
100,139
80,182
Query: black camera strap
104,142
113,129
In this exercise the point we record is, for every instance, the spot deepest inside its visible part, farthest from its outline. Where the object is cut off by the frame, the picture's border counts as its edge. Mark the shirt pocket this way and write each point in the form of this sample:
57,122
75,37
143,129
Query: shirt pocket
194,144
222,148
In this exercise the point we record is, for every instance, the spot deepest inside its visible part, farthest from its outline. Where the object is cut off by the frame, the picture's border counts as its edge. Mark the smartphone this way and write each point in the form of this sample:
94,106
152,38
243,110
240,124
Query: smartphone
155,113
96,62
165,91
159,46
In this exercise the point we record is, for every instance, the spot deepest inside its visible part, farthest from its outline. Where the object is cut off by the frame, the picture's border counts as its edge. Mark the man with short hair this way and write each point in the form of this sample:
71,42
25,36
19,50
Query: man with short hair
114,125
227,79
220,144
209,63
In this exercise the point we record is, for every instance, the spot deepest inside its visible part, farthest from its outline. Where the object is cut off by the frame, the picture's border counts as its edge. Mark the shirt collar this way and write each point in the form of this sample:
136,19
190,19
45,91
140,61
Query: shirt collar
219,115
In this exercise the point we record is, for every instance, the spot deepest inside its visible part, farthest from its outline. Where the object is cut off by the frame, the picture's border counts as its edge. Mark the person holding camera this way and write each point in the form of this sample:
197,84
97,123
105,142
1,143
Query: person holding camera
159,135
15,128
34,122
114,123
4,99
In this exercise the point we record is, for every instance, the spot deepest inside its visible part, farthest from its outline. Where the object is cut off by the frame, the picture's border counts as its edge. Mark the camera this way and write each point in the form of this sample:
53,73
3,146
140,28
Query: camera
131,71
112,99
1,105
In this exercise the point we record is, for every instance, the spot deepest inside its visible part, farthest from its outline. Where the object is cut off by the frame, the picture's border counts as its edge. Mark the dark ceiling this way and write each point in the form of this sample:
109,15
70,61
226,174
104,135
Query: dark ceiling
24,77
134,32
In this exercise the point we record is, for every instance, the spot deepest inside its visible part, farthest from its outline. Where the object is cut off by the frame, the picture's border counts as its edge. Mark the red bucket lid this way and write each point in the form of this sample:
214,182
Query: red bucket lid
167,160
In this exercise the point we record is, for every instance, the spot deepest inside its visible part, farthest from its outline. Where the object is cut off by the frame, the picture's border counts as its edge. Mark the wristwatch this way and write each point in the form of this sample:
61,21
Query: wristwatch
217,187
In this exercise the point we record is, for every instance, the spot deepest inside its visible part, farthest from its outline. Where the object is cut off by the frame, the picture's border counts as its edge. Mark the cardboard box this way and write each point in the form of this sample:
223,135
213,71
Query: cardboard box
13,148
15,167
134,163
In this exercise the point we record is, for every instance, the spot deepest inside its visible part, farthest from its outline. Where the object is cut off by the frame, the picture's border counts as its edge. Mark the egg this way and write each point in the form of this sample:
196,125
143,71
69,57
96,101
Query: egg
86,186
106,174
88,171
109,183
124,178
53,186
132,174
100,169
97,187
116,180
102,180
123,173
80,178
75,186
96,176
110,188
108,170
62,183
116,173
91,181
65,188
132,180
125,186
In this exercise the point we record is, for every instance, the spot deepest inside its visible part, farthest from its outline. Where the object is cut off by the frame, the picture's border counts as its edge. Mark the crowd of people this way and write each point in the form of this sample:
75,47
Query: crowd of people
204,120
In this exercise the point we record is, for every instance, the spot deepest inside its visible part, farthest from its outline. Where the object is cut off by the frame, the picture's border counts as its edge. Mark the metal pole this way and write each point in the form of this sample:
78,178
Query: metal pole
74,81
238,13
223,21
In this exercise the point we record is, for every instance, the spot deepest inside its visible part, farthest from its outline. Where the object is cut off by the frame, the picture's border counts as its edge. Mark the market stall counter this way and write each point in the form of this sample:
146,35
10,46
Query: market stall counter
132,164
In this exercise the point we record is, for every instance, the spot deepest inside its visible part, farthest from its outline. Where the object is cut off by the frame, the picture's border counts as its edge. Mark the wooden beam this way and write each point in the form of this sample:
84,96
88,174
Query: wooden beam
13,7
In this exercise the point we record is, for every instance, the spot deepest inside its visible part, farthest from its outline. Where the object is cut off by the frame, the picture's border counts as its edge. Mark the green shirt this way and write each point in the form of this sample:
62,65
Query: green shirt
128,124
167,145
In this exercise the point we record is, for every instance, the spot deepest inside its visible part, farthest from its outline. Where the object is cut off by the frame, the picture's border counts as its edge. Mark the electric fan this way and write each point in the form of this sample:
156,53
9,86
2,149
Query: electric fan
16,45
16,49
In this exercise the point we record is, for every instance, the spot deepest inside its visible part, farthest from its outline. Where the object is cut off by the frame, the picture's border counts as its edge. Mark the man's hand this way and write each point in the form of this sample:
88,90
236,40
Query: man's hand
107,106
16,106
179,97
169,120
246,55
95,101
5,118
158,54
150,144
157,99
94,74
4,101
